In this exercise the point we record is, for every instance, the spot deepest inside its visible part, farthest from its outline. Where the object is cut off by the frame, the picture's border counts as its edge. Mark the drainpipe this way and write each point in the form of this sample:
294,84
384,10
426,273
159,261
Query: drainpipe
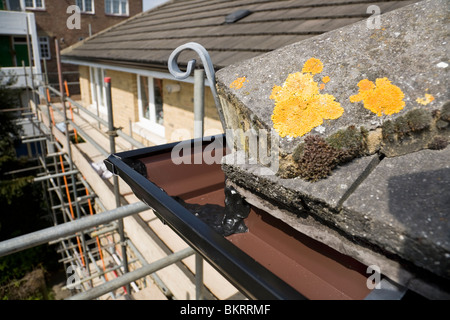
199,102
30,62
199,114
27,90
112,146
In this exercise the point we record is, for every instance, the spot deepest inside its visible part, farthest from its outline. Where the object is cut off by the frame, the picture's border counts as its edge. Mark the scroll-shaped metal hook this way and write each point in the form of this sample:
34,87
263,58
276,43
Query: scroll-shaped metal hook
207,65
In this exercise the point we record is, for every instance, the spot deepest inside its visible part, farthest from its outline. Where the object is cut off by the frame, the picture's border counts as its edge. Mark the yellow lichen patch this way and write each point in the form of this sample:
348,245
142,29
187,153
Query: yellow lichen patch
299,106
326,79
426,100
238,83
381,98
313,66
365,85
322,86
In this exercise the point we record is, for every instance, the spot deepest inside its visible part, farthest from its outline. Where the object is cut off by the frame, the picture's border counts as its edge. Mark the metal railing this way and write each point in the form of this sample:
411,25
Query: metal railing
69,228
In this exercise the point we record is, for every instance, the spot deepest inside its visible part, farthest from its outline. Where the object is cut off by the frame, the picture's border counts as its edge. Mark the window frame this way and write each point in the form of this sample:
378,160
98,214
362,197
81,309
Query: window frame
83,8
20,40
98,90
34,7
111,8
149,124
47,43
9,7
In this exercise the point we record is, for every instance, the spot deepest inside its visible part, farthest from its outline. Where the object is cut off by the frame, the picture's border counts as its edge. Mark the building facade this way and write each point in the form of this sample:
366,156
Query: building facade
68,22
150,106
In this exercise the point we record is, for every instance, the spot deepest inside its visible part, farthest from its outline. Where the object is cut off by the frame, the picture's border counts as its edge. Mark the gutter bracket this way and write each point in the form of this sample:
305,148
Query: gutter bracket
236,210
110,166
207,66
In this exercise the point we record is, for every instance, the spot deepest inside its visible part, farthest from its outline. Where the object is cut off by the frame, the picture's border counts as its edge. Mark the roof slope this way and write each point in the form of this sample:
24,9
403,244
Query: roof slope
148,38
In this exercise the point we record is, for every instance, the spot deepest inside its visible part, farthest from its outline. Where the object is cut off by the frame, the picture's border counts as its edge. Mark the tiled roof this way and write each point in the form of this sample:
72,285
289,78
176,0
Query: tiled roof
148,38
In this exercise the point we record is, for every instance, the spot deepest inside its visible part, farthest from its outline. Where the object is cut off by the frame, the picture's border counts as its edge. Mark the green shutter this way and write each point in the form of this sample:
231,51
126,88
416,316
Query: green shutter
21,54
5,52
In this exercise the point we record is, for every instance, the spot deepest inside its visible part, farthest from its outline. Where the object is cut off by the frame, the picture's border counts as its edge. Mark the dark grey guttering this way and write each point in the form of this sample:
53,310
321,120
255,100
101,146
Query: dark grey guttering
250,277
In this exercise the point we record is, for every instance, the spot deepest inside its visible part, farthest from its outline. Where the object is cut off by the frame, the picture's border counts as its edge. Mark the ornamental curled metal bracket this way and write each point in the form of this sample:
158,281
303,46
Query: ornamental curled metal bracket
207,65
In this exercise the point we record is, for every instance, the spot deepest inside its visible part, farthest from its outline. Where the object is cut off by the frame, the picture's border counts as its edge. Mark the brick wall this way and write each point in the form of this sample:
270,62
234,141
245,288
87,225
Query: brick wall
52,22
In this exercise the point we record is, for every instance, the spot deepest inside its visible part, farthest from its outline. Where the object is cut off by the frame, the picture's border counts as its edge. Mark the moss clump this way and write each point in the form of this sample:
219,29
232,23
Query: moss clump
414,121
442,117
418,120
316,157
401,127
438,143
296,155
350,143
445,112
388,131
317,160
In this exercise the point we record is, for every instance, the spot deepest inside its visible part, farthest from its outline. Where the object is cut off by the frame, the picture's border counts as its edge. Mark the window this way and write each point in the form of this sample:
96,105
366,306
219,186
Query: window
14,5
98,93
117,7
151,104
21,51
44,45
34,4
86,6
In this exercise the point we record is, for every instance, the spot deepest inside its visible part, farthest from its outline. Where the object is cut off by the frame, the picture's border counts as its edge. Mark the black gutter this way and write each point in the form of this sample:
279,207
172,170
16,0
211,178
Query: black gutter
250,277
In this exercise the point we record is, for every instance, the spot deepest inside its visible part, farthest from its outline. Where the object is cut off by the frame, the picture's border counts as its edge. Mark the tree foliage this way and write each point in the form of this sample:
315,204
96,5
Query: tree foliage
22,204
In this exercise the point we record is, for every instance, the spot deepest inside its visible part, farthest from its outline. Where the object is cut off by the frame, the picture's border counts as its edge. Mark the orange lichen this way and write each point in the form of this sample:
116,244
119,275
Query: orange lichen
238,83
326,79
426,100
299,107
381,98
365,85
313,66
322,86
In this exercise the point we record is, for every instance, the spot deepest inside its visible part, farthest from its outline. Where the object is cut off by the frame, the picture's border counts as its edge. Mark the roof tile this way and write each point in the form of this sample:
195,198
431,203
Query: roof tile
150,37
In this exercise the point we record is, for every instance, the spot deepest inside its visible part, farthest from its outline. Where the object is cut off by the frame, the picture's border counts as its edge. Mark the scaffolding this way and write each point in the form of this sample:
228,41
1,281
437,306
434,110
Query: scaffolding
100,261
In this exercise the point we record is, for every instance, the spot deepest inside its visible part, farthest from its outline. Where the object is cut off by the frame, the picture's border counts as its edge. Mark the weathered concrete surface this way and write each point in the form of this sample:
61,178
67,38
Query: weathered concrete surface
323,197
409,49
403,206
397,208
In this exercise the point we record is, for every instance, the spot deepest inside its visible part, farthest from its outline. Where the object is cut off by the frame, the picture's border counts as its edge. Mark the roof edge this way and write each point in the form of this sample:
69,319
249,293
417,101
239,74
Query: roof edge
117,63
138,15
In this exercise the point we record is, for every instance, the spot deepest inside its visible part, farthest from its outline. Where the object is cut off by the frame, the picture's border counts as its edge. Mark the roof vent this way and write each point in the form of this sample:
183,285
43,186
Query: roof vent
237,15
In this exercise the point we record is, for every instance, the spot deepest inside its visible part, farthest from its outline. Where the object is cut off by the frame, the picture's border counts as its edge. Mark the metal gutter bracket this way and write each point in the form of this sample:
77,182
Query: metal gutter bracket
236,210
110,166
207,65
